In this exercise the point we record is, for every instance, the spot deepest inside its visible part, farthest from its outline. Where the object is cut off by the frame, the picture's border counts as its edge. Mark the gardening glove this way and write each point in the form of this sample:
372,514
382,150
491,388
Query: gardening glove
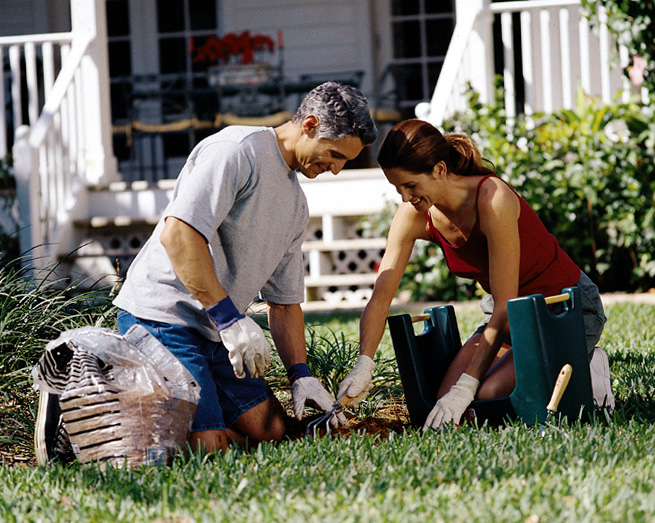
355,387
307,389
243,338
451,407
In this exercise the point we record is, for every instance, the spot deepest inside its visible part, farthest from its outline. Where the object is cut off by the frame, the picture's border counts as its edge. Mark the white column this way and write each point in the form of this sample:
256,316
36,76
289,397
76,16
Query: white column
30,233
100,166
481,46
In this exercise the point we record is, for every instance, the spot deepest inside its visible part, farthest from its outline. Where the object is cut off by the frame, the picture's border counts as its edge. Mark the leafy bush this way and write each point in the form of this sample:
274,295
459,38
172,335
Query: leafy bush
633,25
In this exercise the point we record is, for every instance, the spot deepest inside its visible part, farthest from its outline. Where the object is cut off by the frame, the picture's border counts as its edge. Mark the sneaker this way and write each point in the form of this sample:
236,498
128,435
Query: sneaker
601,382
51,440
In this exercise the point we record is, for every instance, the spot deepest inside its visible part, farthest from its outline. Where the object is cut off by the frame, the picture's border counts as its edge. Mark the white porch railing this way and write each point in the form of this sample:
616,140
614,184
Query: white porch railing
555,52
64,144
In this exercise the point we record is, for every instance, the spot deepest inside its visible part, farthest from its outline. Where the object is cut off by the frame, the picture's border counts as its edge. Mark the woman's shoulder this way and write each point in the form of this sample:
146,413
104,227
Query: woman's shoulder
492,189
496,196
411,222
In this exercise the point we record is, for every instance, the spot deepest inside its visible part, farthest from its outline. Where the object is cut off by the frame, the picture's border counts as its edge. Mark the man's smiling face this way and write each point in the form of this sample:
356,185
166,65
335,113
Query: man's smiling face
316,156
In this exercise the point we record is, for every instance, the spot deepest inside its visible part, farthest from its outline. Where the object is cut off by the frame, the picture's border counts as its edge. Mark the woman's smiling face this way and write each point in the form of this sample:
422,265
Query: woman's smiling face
412,187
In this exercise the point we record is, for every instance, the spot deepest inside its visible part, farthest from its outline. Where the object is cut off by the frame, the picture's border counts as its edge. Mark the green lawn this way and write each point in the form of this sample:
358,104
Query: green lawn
600,471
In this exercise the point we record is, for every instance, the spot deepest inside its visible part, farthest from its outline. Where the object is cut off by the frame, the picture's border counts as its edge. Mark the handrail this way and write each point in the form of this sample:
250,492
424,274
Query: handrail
53,102
530,5
454,57
549,39
55,38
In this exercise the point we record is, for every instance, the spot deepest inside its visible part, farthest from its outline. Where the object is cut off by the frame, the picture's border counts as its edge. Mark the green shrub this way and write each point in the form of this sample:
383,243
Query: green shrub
632,24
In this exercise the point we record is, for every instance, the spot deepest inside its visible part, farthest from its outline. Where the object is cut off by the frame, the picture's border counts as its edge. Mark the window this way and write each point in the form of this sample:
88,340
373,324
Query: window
421,32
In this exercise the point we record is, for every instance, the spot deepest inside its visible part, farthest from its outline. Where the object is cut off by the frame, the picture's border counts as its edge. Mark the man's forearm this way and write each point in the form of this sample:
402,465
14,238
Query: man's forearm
287,323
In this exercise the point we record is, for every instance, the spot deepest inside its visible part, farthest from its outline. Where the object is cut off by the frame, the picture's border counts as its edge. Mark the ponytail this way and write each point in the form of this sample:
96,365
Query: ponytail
464,158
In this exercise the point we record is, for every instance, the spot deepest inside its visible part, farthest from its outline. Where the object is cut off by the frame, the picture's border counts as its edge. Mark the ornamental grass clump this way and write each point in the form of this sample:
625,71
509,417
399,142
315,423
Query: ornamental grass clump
35,309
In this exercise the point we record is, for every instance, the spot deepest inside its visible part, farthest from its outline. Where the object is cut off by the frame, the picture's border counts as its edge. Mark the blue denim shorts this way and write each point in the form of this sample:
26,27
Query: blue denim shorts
592,312
223,396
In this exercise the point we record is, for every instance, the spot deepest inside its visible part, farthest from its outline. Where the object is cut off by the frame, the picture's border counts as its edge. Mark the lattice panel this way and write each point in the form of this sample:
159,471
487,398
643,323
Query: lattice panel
361,261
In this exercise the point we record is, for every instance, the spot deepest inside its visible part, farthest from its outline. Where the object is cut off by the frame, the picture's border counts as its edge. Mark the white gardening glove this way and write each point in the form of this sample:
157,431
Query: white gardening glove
246,344
309,389
243,338
451,406
357,384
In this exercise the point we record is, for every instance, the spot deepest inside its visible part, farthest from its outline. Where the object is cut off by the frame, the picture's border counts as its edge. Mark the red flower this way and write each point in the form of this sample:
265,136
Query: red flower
219,50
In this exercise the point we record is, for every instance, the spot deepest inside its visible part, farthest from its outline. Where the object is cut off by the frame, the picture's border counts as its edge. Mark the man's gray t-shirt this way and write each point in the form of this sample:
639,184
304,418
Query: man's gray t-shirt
238,192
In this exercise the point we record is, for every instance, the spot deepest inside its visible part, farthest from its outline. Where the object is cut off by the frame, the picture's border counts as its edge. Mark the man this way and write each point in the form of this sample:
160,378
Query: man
234,228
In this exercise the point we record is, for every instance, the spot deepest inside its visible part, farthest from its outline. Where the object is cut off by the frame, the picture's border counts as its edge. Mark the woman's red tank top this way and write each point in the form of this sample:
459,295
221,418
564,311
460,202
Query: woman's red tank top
544,267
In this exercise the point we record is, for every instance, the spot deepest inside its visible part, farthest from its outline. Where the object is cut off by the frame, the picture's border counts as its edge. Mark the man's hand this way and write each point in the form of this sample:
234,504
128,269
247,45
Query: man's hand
452,405
309,390
243,338
357,384
246,344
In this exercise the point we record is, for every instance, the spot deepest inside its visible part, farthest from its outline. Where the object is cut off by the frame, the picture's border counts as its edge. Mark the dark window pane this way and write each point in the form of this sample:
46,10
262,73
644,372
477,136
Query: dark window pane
120,98
438,6
202,14
404,7
176,144
434,68
121,148
407,39
170,16
173,55
118,21
408,81
120,63
199,60
438,34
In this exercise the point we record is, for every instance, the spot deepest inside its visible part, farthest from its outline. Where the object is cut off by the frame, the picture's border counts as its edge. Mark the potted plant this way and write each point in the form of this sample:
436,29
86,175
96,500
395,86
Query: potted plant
235,59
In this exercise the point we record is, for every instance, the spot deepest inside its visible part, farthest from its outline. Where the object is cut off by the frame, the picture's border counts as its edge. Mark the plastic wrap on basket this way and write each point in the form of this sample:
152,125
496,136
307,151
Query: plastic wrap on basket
124,399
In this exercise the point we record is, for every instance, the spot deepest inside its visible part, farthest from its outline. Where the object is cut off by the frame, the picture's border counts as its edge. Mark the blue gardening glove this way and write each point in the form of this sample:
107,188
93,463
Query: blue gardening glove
451,407
243,338
307,389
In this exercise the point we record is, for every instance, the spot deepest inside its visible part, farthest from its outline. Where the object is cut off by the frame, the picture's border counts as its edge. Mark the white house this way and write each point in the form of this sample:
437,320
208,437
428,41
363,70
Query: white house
103,101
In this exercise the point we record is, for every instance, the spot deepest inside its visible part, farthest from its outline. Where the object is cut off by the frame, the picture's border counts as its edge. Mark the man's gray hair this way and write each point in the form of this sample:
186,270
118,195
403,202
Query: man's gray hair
342,110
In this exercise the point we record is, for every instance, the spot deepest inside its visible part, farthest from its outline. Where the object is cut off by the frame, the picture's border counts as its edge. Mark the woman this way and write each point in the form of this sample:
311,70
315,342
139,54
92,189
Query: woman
488,233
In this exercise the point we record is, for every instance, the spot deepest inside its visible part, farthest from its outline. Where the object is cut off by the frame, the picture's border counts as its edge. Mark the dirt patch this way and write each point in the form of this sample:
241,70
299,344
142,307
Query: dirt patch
389,420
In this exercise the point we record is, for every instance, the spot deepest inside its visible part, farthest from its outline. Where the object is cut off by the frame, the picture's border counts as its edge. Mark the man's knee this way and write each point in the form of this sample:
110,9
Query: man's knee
276,429
264,422
208,441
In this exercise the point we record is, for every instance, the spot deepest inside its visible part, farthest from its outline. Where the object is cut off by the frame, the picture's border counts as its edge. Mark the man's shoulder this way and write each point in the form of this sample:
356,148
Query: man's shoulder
242,133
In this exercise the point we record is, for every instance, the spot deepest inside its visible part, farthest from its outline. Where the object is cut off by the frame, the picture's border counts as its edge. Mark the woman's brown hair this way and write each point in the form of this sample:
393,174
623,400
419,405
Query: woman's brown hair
417,146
